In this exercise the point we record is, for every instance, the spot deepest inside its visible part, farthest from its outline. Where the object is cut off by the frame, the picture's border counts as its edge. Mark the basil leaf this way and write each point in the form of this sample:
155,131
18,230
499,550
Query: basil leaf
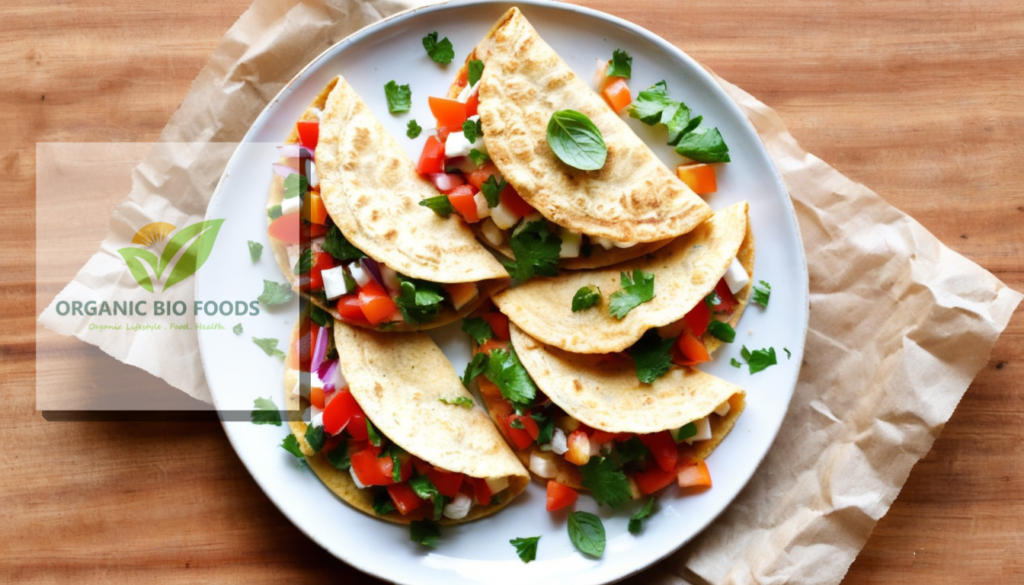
650,103
703,145
606,482
526,548
585,298
621,65
266,413
413,129
636,522
269,346
722,330
576,141
275,293
586,533
441,52
479,329
474,70
762,293
399,97
255,250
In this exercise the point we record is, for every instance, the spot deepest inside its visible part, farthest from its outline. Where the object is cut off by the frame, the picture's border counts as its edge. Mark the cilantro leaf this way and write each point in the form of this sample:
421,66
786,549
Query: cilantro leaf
266,413
478,158
295,185
339,247
424,532
475,368
305,262
291,445
274,212
586,531
703,145
492,189
606,482
268,345
440,205
788,355
585,298
631,450
536,250
650,103
462,401
636,522
734,363
372,435
319,316
339,456
399,97
677,119
687,431
545,425
762,293
759,359
474,70
315,437
237,329
517,423
479,329
469,130
255,250
652,356
382,503
441,52
526,548
423,487
722,330
395,453
275,293
515,383
413,129
621,65
419,300
635,291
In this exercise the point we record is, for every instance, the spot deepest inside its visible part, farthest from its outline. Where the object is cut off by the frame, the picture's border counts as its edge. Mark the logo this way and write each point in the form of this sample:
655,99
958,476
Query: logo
147,267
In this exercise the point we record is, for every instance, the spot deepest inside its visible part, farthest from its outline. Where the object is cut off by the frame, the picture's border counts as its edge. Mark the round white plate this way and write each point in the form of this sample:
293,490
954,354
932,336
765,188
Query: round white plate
238,371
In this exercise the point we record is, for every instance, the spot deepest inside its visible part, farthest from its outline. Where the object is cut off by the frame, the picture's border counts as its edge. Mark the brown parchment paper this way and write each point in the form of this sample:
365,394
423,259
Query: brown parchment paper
899,324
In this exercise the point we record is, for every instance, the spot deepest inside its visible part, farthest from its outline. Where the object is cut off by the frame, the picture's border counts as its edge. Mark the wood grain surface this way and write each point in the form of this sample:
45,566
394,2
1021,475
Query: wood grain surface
921,101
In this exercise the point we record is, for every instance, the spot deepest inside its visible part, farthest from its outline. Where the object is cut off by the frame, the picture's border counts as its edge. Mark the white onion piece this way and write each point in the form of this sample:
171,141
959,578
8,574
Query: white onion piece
446,181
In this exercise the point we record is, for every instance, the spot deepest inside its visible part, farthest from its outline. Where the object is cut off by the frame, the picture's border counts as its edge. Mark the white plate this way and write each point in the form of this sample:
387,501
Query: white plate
238,372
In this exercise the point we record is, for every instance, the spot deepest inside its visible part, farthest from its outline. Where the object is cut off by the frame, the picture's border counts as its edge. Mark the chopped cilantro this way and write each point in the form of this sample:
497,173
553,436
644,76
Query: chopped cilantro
372,435
339,457
479,329
274,212
474,70
440,51
606,482
703,145
492,189
475,368
478,158
761,295
440,205
652,356
315,437
268,345
635,291
413,129
295,185
237,329
722,331
305,262
419,300
395,453
636,522
734,363
472,129
399,97
339,247
650,103
631,450
463,401
291,445
621,65
504,369
586,531
275,293
687,431
266,413
653,106
526,548
759,359
382,503
319,316
585,298
536,250
424,532
516,424
255,250
545,425
788,355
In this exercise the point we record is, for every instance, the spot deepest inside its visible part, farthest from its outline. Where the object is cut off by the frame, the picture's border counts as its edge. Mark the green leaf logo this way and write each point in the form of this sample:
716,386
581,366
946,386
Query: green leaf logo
191,246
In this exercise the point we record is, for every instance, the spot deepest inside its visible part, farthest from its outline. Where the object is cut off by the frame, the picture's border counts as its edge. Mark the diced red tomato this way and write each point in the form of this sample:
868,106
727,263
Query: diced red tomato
316,397
461,293
286,229
694,473
616,93
560,495
404,498
698,318
304,346
663,448
491,345
350,309
314,230
369,468
447,484
691,351
313,209
481,490
432,158
421,466
520,437
499,325
728,301
516,204
357,427
579,448
375,302
449,113
340,411
472,103
464,203
443,132
699,177
321,261
601,437
462,77
387,465
653,479
309,134
480,176
488,389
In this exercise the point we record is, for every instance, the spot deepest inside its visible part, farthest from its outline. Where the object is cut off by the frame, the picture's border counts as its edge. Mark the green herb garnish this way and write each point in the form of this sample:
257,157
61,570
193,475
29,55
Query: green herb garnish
424,532
526,548
585,298
305,262
621,65
463,401
413,130
316,437
474,70
291,445
475,368
440,205
636,522
536,250
382,503
255,250
339,457
703,145
237,329
762,293
419,300
399,97
722,331
478,158
266,413
295,185
586,533
274,212
440,51
492,189
339,247
477,328
759,359
505,371
606,482
268,345
635,291
275,293
576,141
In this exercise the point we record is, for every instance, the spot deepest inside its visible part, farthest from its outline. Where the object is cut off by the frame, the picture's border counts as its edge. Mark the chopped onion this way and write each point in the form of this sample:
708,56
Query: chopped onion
446,181
284,170
295,151
458,507
330,374
319,350
542,465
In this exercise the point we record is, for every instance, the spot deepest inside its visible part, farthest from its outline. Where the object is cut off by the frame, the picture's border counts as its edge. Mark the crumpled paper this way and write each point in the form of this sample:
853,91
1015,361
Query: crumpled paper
899,324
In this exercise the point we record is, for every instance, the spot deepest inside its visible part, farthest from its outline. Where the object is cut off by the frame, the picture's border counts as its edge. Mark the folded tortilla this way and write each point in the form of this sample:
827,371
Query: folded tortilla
633,198
399,382
685,272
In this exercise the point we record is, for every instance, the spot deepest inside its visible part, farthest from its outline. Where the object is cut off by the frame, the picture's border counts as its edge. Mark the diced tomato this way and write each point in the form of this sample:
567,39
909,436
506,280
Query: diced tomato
481,491
421,466
375,302
560,495
316,397
404,498
305,345
447,484
691,351
432,158
340,411
698,318
442,134
461,293
448,112
694,473
313,209
499,325
663,448
286,229
601,437
357,427
464,203
653,479
579,448
520,437
727,300
349,307
472,103
387,465
698,177
616,93
530,425
487,388
369,468
480,176
314,230
491,345
462,77
309,134
516,204
321,261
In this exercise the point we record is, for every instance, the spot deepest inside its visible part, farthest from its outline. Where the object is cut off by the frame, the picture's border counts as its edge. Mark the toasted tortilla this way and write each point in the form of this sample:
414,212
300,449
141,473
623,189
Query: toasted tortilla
633,198
399,382
685,272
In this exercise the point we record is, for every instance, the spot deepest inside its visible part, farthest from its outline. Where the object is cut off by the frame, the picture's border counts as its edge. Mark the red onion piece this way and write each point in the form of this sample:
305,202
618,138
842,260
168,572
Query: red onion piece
295,151
370,265
284,170
330,373
320,349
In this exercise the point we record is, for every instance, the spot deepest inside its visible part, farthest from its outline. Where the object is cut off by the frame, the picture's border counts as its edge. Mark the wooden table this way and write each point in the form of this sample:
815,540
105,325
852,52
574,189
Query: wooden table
922,101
